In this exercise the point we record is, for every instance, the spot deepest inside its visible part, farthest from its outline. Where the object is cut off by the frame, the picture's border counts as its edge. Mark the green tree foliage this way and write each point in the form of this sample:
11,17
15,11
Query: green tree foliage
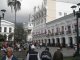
20,34
10,36
3,37
14,4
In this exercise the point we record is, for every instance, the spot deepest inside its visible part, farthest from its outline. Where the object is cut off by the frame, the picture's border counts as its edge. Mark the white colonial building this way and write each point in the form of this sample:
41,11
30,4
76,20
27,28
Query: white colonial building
60,31
7,30
29,29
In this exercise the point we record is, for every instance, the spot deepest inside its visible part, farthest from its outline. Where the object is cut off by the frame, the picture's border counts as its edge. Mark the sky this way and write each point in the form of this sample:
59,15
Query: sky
27,7
70,1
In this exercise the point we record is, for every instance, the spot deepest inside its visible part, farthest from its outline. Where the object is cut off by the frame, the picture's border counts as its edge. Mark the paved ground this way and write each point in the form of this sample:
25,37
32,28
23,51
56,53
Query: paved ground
66,51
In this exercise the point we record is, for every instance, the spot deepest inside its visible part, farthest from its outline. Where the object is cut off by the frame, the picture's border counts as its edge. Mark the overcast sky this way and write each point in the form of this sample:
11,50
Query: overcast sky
26,9
70,1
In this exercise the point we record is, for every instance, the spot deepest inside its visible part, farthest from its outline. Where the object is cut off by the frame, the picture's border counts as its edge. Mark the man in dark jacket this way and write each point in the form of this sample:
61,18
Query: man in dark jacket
9,55
58,55
46,55
32,54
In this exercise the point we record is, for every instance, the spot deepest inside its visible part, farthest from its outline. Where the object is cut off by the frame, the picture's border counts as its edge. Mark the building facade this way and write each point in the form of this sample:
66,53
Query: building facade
57,31
56,9
7,30
61,31
29,29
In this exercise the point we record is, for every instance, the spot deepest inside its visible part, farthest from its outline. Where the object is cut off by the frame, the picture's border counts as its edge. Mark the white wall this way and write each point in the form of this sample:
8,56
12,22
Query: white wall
63,8
8,25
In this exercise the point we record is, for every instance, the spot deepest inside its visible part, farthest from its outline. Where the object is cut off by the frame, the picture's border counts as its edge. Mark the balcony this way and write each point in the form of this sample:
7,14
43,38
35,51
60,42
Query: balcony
68,32
61,33
74,31
52,34
56,33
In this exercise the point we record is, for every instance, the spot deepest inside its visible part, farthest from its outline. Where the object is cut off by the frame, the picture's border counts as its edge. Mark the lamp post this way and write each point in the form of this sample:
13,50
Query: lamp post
3,11
77,14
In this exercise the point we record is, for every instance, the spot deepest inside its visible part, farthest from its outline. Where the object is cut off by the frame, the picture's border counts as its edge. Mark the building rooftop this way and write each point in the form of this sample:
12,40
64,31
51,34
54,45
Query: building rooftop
62,18
69,1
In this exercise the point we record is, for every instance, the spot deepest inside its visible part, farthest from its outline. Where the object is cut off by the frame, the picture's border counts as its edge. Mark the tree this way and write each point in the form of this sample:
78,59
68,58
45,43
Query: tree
1,37
5,36
20,33
14,4
10,36
17,6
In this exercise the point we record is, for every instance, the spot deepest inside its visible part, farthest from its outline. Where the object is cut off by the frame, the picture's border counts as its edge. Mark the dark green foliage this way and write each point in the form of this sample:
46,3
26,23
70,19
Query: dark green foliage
20,34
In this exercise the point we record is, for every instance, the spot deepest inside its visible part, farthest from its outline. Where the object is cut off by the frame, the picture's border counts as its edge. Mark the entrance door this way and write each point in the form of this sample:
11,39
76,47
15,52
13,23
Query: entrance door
53,44
48,42
71,42
58,42
63,42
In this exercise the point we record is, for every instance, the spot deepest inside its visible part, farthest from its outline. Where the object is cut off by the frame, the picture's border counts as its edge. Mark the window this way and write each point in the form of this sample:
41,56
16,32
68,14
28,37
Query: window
69,27
42,20
0,29
10,30
65,14
5,29
62,28
60,13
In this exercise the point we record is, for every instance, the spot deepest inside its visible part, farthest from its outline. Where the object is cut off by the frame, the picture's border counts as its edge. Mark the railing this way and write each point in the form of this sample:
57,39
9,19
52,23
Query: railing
68,32
52,34
61,33
74,31
56,33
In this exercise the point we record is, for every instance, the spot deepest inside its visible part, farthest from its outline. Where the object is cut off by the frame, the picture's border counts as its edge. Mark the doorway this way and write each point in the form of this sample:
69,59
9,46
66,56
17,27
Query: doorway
48,42
63,42
71,42
53,40
58,42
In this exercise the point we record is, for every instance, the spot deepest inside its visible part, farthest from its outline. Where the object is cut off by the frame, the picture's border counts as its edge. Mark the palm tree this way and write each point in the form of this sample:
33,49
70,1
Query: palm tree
17,6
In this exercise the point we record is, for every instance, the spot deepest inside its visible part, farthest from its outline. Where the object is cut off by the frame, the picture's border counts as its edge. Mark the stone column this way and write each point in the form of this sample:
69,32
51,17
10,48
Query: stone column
55,41
74,40
60,40
67,41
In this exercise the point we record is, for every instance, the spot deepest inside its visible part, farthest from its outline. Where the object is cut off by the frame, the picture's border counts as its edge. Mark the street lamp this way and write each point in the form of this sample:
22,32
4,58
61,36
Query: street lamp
77,14
3,11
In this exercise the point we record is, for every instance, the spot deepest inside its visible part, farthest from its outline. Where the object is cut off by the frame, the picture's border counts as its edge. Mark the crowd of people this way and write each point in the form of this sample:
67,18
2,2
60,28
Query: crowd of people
31,54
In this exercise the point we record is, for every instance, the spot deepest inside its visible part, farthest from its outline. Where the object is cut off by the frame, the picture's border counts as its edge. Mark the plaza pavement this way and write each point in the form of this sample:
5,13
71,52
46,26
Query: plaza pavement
66,51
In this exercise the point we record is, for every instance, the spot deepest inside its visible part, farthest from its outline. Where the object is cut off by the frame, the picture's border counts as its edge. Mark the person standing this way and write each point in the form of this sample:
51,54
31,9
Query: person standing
9,54
46,55
32,54
40,44
4,46
58,55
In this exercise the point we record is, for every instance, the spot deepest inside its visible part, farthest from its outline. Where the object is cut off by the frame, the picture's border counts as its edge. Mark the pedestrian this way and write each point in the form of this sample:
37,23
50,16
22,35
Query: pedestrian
9,54
32,54
58,55
40,45
61,46
29,49
46,55
4,46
